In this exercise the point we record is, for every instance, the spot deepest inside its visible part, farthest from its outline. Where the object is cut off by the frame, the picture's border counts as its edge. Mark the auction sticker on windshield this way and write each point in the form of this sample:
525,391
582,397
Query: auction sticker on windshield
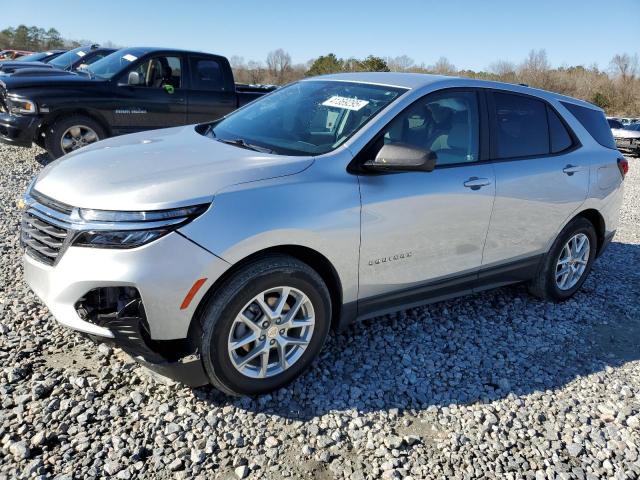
129,57
346,103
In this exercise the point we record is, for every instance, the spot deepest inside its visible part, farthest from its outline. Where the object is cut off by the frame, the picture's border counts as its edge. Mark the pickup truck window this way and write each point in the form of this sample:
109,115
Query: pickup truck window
305,118
206,74
160,71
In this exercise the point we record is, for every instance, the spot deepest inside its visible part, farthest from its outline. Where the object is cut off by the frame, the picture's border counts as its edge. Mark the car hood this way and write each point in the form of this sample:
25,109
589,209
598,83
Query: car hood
45,77
624,133
157,169
13,64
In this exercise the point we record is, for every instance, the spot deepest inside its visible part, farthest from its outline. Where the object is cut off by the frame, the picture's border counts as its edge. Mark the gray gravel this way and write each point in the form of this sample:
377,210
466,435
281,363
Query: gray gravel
493,385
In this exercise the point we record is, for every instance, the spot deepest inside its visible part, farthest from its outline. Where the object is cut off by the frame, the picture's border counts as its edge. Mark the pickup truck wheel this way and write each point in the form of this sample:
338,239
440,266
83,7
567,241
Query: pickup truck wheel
71,133
568,263
264,326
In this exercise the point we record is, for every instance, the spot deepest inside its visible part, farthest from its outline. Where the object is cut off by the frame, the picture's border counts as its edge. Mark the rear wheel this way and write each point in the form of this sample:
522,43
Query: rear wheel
264,326
568,262
71,133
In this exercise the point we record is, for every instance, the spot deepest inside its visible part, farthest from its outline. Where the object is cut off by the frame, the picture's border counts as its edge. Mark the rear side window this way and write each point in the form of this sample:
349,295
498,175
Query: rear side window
522,127
594,122
206,74
560,138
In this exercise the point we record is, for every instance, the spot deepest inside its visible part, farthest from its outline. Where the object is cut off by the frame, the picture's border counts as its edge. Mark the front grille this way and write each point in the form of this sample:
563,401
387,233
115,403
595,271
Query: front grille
44,229
41,239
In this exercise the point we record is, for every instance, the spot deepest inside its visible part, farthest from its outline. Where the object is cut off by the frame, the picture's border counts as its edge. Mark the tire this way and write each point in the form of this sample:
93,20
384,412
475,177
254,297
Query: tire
220,325
546,284
55,132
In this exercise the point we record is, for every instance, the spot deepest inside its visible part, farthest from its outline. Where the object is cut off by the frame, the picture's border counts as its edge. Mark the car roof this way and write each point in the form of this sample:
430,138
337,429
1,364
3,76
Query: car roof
416,81
147,50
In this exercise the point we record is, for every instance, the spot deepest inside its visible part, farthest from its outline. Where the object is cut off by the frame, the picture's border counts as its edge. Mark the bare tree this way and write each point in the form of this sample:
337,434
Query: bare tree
443,67
278,64
256,72
237,62
534,70
502,68
401,63
624,66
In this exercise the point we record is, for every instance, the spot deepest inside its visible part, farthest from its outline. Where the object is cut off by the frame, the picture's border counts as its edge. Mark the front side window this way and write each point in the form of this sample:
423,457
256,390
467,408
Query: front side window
306,118
159,71
112,64
206,74
522,128
444,123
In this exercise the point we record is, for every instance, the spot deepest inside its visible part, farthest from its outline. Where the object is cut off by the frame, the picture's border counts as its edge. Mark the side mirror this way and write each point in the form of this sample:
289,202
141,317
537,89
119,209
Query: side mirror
133,79
402,158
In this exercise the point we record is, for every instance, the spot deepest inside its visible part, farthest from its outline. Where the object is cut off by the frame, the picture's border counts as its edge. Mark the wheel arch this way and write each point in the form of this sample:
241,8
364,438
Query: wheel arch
597,220
311,257
68,112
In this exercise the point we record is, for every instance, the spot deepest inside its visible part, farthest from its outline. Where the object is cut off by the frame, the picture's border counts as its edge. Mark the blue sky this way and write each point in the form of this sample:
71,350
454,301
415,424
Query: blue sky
471,33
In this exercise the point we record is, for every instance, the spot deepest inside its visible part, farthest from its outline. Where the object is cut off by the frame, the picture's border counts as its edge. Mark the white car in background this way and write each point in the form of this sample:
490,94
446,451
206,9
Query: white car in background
626,139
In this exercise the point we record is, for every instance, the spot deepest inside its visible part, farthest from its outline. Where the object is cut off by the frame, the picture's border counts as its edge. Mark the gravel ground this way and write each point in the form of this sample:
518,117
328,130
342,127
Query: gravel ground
493,385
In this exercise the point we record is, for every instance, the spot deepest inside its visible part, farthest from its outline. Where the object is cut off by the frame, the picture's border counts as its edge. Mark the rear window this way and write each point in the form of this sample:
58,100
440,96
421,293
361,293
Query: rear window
206,74
594,122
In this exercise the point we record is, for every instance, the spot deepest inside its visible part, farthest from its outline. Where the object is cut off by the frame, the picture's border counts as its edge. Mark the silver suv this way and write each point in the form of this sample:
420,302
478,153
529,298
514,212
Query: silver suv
224,253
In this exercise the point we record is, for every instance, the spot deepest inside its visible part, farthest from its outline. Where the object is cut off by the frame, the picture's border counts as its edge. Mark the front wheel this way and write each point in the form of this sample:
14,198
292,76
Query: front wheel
568,263
71,133
264,326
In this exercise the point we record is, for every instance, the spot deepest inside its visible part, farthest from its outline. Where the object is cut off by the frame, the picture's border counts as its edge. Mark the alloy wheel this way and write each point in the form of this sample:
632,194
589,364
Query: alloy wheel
271,332
76,137
572,262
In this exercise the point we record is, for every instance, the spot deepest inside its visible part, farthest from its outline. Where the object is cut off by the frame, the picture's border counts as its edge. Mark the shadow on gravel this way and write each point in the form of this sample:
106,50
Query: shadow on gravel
43,159
478,348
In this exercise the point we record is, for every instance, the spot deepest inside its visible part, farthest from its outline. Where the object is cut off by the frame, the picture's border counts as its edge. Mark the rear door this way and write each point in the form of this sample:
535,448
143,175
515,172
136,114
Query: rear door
212,93
541,177
158,100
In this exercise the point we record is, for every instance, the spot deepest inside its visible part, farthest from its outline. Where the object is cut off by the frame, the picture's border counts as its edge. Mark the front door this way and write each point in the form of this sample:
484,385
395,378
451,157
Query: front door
418,228
156,99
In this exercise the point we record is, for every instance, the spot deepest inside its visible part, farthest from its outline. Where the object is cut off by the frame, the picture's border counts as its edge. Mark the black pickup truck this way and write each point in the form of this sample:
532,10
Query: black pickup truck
128,91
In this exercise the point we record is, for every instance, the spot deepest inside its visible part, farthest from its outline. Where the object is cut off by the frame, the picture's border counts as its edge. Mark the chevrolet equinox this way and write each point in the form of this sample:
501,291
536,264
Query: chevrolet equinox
224,252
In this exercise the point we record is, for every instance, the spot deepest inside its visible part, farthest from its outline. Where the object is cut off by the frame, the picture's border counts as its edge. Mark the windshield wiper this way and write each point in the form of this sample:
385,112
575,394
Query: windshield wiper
239,142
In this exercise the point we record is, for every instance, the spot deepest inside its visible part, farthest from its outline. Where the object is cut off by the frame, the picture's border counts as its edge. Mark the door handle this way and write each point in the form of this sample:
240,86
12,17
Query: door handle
571,169
475,183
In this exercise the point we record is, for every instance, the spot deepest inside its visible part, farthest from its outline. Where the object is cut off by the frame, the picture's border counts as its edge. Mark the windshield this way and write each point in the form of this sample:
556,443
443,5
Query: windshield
305,118
115,63
67,59
34,57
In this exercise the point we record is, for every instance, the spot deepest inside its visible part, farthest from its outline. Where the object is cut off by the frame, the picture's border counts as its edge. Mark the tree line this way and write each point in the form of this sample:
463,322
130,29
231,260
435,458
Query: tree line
616,89
37,39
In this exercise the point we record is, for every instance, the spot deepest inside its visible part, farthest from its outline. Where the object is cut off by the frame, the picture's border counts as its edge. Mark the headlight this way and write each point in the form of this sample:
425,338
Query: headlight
113,229
21,105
